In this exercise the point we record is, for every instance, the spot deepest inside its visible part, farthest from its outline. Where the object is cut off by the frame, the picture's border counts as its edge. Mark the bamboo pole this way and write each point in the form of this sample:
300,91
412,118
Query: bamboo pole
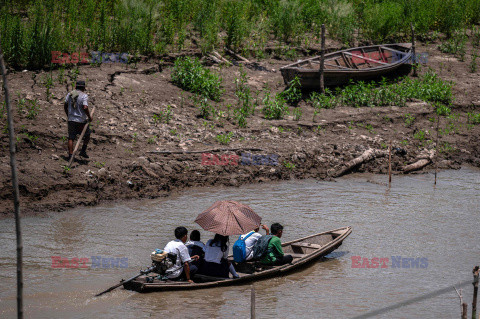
16,196
436,151
322,62
475,291
390,163
252,303
414,56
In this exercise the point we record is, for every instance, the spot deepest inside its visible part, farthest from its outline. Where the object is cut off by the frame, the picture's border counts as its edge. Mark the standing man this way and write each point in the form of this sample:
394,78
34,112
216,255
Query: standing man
76,108
182,268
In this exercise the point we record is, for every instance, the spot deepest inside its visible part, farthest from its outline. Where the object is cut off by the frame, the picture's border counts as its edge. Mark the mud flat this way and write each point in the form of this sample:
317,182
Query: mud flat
133,155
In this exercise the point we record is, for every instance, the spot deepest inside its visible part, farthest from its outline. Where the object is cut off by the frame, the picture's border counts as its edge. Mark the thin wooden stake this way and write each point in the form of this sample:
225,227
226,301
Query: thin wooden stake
461,300
322,62
475,291
252,303
80,138
16,193
414,55
390,163
464,310
436,151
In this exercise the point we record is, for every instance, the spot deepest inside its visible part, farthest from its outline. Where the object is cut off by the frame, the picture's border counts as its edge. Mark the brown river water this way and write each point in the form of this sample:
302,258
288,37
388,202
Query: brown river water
412,219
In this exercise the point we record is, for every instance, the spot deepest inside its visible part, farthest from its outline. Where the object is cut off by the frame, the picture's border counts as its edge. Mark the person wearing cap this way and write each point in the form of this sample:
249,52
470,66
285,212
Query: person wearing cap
76,108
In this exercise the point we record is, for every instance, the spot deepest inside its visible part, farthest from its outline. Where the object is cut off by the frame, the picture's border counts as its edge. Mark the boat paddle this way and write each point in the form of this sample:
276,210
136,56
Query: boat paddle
142,272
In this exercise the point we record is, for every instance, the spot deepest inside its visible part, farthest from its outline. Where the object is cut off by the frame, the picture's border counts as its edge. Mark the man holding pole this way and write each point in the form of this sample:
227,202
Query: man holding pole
76,108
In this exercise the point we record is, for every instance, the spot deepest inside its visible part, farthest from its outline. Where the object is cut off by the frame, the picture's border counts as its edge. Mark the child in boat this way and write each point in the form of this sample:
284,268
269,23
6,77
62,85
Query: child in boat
216,262
195,244
251,240
275,255
196,248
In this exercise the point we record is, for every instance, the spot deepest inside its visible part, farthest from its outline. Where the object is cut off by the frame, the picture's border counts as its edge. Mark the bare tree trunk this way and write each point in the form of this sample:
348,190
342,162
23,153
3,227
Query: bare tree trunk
365,157
16,196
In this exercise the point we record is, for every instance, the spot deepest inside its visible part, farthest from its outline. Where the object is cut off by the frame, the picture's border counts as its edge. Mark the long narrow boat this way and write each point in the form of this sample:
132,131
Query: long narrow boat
304,251
359,64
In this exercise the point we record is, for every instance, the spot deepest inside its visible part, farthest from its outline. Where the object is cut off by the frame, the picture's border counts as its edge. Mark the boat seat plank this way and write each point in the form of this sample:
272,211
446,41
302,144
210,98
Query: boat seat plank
365,58
349,62
307,245
295,255
337,66
393,50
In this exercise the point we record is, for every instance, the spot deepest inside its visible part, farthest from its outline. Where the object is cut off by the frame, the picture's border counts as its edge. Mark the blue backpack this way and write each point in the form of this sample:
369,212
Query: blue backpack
239,248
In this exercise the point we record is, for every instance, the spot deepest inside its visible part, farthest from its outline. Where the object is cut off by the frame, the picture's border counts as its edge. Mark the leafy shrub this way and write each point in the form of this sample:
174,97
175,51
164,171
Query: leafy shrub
224,138
293,94
442,109
190,75
322,101
274,109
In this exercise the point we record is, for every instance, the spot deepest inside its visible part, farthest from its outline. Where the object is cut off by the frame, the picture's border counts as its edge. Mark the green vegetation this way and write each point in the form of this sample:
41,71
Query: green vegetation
164,116
202,104
246,105
32,109
31,30
473,118
420,135
190,75
224,138
429,88
293,94
288,165
409,119
274,108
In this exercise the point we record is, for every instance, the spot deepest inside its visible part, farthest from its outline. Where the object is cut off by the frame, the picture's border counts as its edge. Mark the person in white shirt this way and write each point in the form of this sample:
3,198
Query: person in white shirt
216,262
182,268
251,240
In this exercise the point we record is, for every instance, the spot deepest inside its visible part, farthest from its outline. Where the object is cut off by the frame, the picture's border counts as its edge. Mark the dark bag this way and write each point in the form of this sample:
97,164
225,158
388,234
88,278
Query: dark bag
260,249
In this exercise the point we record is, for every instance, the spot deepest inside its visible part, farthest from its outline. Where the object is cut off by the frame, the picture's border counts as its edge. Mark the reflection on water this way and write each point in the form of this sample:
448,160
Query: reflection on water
411,219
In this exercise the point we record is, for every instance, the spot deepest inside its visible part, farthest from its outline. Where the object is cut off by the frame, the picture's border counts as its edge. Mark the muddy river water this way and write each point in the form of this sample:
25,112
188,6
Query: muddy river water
439,225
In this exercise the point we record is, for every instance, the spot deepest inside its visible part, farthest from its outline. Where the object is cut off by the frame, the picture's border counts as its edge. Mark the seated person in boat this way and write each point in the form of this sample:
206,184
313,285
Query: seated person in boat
251,240
275,255
196,247
182,268
216,262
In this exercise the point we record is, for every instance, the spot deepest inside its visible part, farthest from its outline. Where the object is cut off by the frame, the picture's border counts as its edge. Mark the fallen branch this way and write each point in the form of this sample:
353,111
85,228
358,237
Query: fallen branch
420,163
209,151
216,54
368,155
237,56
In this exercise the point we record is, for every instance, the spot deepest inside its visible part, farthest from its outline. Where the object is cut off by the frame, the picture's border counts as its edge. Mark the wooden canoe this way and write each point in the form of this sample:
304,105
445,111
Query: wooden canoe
358,64
304,251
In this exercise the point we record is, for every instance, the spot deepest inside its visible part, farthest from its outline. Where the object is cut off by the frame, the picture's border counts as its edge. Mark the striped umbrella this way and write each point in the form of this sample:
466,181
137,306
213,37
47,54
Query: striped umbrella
228,217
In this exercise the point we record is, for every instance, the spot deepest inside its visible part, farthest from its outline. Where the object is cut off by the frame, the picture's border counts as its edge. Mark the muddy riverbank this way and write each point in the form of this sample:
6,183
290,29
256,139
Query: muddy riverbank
134,155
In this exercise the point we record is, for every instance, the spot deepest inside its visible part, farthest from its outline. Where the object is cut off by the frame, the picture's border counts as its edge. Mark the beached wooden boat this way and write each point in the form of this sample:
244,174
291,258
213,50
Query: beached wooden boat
358,64
303,250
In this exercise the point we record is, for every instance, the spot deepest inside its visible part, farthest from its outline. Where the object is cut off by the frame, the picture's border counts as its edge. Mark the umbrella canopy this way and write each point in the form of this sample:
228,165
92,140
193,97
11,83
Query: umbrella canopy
228,218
